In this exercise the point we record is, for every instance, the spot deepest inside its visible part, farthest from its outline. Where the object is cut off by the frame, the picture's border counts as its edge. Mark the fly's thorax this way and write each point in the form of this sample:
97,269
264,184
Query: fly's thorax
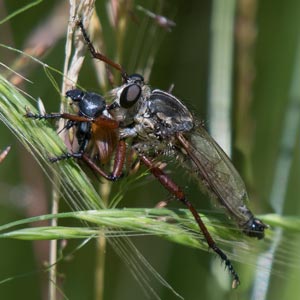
161,116
169,114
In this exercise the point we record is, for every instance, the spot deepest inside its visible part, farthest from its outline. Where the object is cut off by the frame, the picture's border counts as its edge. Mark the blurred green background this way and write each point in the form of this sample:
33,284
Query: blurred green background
264,108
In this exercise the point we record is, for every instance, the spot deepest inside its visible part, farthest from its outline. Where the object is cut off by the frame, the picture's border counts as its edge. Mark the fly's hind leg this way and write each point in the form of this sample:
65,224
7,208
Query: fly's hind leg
175,190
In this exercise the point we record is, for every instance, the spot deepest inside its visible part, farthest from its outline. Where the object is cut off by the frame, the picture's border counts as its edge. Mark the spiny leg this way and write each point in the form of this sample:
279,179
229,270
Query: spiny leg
174,189
100,120
72,121
66,116
99,55
66,155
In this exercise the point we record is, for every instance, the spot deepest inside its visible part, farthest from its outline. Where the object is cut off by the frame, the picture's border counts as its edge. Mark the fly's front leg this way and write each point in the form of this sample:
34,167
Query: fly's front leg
175,190
118,163
99,55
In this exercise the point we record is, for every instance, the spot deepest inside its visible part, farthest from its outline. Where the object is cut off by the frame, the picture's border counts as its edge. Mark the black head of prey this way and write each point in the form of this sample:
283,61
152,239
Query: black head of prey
90,104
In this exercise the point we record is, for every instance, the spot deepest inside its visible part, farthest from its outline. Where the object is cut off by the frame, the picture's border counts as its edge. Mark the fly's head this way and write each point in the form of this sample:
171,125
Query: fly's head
128,99
131,92
90,105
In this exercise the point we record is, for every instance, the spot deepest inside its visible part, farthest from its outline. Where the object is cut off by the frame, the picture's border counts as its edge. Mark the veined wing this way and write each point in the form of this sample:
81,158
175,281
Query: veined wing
216,172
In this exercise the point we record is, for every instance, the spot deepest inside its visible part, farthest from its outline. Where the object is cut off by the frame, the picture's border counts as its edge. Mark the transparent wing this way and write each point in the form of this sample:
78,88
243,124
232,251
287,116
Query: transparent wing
216,172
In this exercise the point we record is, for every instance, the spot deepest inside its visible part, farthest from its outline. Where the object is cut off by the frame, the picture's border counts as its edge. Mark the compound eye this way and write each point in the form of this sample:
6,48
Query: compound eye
130,95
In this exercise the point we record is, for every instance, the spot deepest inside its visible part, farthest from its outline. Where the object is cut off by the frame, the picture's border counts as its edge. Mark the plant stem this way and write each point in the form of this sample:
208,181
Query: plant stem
220,94
53,245
100,267
105,190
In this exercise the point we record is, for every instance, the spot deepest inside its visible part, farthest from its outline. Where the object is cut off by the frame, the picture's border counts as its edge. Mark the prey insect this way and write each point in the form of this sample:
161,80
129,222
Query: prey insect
96,132
155,123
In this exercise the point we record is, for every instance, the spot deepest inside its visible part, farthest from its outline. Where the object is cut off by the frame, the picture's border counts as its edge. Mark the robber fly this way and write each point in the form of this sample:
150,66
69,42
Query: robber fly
158,123
155,123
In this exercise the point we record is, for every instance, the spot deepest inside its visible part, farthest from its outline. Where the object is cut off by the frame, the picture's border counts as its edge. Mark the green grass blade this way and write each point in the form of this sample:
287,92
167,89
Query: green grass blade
42,141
